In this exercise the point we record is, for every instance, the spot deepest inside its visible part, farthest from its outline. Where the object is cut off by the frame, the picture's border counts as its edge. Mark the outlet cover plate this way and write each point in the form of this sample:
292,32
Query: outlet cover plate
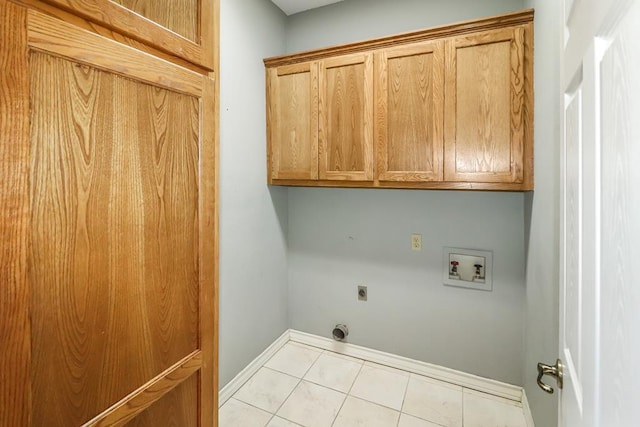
362,293
416,242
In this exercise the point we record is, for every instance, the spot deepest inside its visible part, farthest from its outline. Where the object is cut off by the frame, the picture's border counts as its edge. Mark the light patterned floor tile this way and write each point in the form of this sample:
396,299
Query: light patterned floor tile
334,372
387,368
280,422
381,385
481,410
312,405
294,359
410,421
267,389
376,394
357,412
434,401
235,413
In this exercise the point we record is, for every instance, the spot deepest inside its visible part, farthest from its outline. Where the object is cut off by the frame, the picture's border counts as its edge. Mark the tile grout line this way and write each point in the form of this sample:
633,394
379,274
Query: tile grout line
296,386
348,392
404,396
274,414
249,404
462,406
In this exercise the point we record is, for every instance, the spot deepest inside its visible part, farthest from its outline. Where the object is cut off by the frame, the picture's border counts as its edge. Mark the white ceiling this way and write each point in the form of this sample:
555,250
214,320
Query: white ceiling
294,6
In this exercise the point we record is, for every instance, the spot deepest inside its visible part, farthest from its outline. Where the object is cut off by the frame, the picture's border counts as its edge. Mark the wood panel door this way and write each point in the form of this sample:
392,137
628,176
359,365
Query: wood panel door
292,96
485,123
109,232
178,27
409,112
346,118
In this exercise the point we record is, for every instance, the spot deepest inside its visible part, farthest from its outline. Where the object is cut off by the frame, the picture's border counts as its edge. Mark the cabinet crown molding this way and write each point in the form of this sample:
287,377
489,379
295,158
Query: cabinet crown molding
439,32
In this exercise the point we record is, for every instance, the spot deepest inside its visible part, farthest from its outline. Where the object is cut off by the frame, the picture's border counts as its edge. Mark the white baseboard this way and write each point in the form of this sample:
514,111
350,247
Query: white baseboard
528,416
238,381
441,373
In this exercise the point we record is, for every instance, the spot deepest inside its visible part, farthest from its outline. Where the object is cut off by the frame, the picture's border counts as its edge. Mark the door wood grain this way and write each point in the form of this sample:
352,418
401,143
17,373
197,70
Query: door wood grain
15,357
109,232
179,27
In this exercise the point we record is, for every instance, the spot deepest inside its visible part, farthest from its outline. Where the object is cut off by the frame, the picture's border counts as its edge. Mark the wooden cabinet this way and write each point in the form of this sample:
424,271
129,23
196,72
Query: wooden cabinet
108,257
409,112
485,108
346,118
292,91
446,108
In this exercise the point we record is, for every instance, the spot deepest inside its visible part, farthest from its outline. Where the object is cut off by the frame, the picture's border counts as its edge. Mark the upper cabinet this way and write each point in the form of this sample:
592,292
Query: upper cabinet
292,91
446,108
182,28
410,95
346,118
485,108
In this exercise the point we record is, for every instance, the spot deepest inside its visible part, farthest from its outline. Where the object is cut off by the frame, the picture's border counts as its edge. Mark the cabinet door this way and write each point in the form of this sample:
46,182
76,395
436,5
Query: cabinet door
179,27
113,161
409,113
292,93
346,118
484,110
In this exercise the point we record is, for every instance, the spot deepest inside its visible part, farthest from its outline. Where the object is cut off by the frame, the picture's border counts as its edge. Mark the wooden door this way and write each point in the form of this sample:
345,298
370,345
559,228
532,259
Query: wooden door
109,232
485,116
599,343
346,118
292,94
409,112
184,28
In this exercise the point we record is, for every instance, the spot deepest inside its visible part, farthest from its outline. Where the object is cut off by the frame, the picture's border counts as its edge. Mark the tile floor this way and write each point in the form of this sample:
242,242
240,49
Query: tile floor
307,386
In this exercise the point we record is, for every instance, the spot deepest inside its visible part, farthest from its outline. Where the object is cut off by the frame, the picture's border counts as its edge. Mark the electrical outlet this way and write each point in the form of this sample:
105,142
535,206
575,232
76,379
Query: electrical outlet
362,293
416,242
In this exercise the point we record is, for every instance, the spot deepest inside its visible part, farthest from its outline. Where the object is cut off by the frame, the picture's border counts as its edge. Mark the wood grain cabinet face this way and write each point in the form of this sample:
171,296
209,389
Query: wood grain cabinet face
178,27
346,118
409,112
114,150
445,108
293,121
485,107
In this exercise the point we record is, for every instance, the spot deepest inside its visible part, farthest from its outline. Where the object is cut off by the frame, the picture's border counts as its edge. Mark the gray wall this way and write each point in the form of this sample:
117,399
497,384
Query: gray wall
341,238
542,212
253,218
354,20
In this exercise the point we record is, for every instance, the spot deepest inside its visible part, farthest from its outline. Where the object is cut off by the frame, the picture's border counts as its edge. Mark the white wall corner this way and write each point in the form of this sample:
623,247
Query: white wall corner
528,417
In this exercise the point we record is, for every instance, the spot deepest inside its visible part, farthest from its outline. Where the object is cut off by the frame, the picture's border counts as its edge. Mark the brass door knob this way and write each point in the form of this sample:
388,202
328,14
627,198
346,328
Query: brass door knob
554,371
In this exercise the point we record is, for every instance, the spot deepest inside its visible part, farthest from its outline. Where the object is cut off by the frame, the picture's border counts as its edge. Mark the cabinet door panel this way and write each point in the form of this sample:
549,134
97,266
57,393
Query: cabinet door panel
484,134
293,121
119,277
178,27
346,118
409,111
